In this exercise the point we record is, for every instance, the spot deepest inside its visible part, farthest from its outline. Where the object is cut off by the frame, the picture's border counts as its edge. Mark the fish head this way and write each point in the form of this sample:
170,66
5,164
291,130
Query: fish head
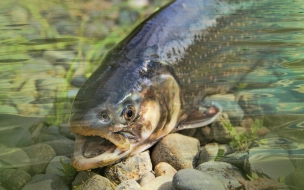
122,110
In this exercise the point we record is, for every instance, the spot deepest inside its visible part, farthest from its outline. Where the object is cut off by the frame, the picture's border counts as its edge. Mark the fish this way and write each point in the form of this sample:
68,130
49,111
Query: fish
156,80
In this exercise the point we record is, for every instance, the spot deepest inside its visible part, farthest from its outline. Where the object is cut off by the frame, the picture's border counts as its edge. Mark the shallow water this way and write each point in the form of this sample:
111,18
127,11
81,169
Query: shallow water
44,46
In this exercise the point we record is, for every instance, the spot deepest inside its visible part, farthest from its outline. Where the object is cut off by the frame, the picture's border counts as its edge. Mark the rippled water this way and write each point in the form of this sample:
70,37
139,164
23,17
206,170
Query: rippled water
42,46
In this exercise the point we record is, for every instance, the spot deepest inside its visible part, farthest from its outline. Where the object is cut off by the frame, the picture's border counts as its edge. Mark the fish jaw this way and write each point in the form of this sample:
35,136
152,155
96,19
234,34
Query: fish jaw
158,115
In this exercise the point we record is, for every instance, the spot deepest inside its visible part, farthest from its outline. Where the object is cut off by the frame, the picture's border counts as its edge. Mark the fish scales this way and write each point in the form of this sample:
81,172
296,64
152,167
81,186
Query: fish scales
153,82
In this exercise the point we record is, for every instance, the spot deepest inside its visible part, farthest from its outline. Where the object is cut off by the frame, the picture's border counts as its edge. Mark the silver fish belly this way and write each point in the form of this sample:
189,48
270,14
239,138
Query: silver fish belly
153,82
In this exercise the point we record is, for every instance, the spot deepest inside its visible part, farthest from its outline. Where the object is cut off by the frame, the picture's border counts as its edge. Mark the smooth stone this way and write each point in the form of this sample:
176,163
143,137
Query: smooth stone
146,178
16,137
62,166
164,168
40,156
62,147
128,185
133,167
81,178
14,158
14,179
191,179
203,134
46,182
219,132
156,183
98,182
65,131
177,150
78,80
224,172
272,162
207,153
237,158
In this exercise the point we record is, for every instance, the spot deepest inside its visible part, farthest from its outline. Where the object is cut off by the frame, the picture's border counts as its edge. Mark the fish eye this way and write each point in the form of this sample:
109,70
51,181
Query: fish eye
104,117
129,113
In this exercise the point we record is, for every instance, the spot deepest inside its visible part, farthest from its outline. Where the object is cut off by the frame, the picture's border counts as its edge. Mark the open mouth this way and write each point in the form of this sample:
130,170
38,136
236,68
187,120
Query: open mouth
95,146
96,151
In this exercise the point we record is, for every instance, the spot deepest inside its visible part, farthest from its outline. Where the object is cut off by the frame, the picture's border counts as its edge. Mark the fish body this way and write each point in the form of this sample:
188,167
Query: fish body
154,82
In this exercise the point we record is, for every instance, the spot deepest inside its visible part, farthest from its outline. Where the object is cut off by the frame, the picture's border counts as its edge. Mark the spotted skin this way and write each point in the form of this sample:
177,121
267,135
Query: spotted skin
164,69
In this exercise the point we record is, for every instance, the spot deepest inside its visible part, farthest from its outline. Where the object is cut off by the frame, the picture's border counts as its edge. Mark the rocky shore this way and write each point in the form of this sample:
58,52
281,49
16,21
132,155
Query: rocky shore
45,58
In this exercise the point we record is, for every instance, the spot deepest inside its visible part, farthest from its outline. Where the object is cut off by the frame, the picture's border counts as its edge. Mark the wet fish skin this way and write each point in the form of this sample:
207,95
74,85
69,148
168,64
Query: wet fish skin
162,70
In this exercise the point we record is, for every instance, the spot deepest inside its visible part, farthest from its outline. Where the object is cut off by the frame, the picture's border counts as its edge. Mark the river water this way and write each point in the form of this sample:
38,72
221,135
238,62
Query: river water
46,47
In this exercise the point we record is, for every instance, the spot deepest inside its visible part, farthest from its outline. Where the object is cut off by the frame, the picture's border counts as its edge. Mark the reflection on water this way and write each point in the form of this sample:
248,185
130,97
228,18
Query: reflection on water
48,49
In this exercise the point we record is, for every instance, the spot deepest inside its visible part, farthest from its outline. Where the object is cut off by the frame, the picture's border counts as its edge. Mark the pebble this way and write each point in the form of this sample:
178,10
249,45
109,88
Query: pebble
207,153
224,172
203,134
14,179
146,178
16,137
177,150
158,183
46,182
130,184
78,80
191,179
133,167
65,131
97,182
237,158
40,156
219,132
164,168
272,162
14,158
62,166
62,147
81,178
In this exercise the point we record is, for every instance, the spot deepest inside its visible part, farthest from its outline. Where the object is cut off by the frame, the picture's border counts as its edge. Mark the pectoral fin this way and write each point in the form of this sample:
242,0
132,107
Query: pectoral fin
204,115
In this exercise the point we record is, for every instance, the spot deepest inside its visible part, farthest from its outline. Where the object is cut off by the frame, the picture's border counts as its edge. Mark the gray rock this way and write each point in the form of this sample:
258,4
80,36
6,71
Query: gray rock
62,147
14,179
46,182
78,80
237,158
62,166
203,134
16,137
97,182
164,168
133,167
207,153
224,172
65,131
271,162
81,178
191,179
218,130
177,150
158,182
128,185
40,156
146,178
14,158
